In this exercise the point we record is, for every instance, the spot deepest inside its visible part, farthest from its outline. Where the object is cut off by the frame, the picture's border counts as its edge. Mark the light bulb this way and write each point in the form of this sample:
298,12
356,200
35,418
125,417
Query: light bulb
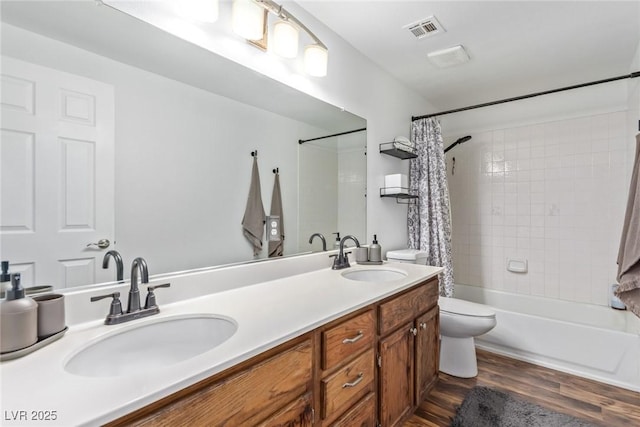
285,39
315,60
247,19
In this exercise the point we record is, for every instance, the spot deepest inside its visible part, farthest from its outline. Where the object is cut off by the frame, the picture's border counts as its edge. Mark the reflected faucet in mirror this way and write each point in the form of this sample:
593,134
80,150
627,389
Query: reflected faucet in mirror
119,265
341,260
138,266
324,242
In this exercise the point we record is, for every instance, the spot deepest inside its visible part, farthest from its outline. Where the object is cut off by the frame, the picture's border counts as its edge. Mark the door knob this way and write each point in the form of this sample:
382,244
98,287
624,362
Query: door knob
102,244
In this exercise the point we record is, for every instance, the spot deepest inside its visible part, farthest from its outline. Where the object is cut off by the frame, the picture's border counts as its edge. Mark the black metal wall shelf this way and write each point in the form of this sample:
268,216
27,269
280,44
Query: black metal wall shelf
391,149
401,194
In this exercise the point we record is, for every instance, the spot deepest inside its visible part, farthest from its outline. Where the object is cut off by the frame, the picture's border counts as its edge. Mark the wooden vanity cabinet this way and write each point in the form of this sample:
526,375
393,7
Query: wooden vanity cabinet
274,389
369,368
408,351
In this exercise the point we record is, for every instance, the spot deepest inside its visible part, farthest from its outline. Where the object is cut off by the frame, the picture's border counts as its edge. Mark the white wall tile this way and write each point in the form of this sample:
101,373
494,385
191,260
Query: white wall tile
553,193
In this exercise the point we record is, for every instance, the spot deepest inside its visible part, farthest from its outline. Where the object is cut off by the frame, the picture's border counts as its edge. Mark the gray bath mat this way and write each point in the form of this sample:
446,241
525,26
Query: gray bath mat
485,407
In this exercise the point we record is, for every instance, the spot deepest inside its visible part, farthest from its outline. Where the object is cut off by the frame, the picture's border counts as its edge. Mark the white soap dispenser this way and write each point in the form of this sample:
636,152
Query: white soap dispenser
375,250
18,319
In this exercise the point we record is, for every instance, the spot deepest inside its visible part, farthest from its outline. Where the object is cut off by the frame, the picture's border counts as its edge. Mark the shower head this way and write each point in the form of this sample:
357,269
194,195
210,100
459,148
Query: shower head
459,141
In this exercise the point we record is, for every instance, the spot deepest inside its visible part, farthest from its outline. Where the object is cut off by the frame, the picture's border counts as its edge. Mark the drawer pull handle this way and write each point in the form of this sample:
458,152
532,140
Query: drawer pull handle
413,331
354,339
355,383
423,325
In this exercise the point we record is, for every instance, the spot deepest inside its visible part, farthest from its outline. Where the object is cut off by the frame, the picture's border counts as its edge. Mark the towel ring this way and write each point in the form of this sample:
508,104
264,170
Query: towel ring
276,170
254,153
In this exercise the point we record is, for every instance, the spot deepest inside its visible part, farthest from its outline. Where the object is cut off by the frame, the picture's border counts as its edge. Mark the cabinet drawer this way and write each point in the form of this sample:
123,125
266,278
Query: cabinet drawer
399,310
348,385
406,307
347,338
362,415
428,298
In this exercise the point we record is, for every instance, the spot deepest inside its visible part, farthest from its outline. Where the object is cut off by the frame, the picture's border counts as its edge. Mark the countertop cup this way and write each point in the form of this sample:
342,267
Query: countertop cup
51,318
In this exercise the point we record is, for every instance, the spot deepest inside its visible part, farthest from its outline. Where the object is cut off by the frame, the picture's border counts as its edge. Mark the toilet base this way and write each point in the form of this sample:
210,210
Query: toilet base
458,357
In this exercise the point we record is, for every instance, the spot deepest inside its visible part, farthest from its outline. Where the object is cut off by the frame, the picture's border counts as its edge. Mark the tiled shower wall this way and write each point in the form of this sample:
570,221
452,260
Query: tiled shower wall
552,194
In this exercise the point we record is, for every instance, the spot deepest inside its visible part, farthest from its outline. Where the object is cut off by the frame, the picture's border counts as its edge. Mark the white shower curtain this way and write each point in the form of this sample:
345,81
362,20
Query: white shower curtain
429,220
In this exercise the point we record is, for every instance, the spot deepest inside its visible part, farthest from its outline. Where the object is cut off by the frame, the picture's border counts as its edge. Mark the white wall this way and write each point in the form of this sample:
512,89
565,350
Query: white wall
330,170
352,182
318,164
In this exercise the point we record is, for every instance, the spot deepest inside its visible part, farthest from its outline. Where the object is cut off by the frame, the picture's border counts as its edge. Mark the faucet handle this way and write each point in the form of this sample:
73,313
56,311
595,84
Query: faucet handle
116,306
151,296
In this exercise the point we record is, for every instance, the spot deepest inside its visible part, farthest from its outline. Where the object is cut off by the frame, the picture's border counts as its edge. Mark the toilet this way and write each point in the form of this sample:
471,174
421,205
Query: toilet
460,322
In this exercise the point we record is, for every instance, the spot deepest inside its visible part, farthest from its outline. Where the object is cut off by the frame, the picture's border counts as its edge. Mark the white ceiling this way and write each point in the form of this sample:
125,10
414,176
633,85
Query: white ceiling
516,47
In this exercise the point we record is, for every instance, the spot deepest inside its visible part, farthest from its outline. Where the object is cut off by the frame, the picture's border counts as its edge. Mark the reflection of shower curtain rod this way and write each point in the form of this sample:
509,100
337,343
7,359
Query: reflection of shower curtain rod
302,141
531,95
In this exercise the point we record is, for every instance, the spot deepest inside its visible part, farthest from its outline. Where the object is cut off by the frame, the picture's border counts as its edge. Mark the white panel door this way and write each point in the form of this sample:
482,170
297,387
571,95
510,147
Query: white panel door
56,174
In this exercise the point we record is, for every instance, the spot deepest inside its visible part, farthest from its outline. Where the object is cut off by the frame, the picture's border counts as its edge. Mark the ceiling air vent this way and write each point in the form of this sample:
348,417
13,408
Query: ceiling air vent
425,28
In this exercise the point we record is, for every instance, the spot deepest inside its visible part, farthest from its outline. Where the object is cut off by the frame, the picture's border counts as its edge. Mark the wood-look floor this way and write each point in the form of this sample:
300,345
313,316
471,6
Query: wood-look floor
595,402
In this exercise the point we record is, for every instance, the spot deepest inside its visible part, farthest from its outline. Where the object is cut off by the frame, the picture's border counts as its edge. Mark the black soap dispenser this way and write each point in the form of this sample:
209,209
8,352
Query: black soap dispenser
375,250
336,244
5,279
18,319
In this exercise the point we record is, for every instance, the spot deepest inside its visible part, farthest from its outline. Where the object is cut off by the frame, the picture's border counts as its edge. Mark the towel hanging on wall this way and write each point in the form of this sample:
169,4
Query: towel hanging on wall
253,220
276,241
629,253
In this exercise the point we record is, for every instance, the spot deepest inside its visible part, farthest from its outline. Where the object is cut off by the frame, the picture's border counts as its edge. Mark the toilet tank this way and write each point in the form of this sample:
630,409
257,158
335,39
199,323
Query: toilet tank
411,256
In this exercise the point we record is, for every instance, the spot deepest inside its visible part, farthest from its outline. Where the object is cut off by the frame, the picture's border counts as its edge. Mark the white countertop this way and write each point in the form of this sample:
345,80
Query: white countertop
267,314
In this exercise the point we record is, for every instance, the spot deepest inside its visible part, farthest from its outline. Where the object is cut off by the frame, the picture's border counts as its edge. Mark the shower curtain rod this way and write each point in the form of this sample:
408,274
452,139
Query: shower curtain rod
531,95
302,141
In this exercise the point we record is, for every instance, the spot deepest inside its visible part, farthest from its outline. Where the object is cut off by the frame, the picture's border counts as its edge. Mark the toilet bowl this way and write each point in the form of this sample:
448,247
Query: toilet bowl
460,322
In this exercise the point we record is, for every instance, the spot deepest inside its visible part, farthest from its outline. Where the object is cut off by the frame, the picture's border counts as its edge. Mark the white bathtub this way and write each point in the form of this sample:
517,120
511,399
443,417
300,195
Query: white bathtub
582,339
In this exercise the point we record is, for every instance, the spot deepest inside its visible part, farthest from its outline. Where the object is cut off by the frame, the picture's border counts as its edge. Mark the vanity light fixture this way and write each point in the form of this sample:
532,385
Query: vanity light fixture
248,21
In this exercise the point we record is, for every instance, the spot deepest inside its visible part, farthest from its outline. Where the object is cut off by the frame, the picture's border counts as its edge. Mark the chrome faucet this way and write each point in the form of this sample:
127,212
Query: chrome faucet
341,260
119,266
324,242
134,311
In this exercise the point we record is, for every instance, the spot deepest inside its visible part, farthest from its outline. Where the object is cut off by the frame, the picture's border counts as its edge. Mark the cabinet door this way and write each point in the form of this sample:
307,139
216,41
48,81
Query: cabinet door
396,375
427,352
243,399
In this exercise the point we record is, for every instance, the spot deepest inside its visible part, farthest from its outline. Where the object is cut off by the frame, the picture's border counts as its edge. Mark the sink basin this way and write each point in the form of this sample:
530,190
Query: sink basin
374,275
151,346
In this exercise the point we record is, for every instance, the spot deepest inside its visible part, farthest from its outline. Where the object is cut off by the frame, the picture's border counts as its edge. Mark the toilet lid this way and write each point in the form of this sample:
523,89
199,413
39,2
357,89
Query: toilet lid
465,308
406,254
